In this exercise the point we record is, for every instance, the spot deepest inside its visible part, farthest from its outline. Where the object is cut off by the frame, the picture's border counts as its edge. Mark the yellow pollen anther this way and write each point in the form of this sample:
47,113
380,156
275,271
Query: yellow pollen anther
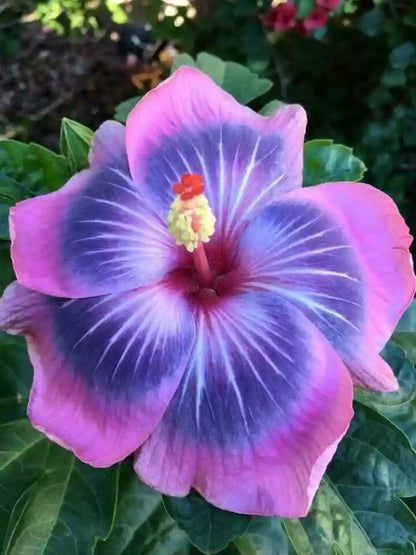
191,221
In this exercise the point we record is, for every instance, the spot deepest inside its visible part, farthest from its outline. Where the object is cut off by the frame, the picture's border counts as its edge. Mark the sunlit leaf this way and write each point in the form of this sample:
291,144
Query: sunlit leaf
234,78
75,141
271,107
325,162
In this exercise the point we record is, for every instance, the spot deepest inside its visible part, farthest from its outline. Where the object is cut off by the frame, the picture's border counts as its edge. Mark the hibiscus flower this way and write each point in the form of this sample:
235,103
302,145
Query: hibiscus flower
185,299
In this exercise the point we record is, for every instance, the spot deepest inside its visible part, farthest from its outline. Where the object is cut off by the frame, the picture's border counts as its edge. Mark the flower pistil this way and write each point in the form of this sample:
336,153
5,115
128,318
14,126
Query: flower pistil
190,218
191,221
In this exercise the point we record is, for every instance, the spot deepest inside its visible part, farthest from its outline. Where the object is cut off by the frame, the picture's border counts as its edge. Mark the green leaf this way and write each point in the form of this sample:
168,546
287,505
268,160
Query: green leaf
403,55
264,536
389,524
16,377
123,109
30,169
375,463
209,529
75,141
182,60
4,220
405,333
304,8
22,457
326,162
356,510
10,189
6,272
393,78
141,525
50,502
234,78
212,66
408,342
407,323
398,407
372,22
376,457
68,505
271,107
243,84
27,170
330,527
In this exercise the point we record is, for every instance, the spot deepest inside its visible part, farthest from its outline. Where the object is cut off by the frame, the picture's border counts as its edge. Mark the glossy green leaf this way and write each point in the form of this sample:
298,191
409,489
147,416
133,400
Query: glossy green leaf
389,524
407,341
49,501
11,190
75,141
356,509
16,377
398,407
123,109
407,323
209,529
264,536
325,162
375,463
234,78
271,107
141,525
30,169
22,459
375,456
330,527
68,507
27,170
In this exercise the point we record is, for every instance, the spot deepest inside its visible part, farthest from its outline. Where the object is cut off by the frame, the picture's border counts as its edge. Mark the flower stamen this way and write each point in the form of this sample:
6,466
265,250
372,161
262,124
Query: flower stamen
190,219
191,222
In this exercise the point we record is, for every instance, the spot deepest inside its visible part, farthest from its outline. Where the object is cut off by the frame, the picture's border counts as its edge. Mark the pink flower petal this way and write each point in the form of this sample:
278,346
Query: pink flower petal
340,252
108,139
328,4
190,125
258,415
317,18
96,235
105,368
281,17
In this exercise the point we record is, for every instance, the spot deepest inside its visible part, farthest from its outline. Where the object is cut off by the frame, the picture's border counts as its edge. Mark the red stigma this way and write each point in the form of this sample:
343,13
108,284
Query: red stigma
191,186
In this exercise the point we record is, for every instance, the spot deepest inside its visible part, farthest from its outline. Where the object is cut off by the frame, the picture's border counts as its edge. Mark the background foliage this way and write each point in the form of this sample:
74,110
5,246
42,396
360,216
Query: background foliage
357,79
356,76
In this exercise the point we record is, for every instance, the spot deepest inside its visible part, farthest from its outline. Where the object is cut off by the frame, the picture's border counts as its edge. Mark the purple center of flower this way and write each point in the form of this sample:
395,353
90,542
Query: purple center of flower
207,272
